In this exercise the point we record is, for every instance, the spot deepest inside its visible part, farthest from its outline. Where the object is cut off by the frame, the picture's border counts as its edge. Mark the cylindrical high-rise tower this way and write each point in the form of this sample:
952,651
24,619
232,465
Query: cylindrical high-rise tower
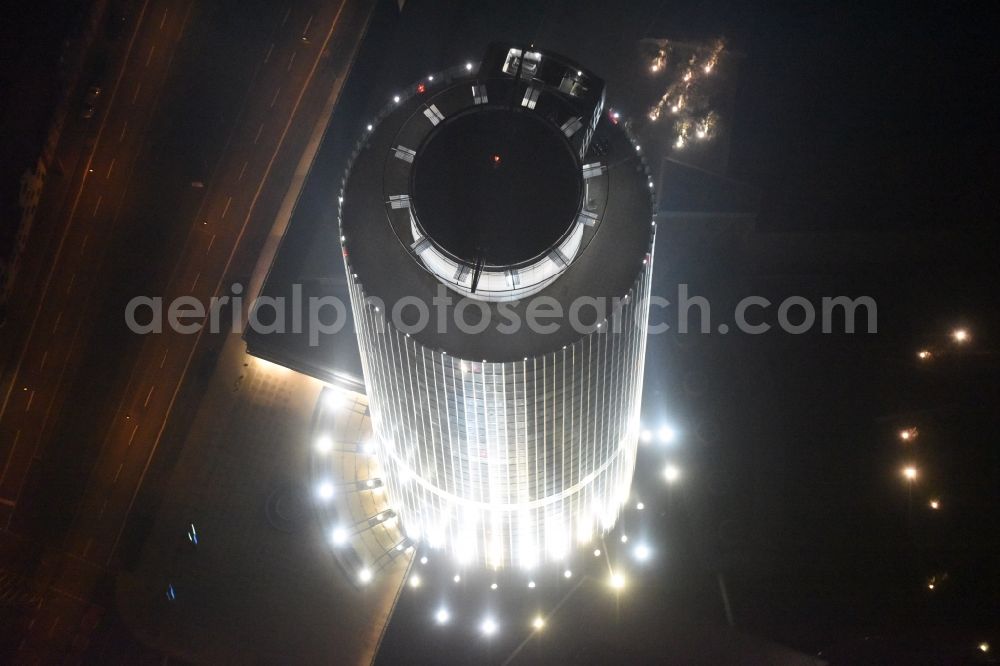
481,207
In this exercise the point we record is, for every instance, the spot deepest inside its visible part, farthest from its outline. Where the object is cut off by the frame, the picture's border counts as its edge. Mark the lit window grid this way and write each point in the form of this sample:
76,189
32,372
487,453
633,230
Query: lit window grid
482,461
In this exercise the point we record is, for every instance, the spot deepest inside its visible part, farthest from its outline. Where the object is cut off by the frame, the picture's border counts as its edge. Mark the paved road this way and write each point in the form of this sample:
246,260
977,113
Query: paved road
286,59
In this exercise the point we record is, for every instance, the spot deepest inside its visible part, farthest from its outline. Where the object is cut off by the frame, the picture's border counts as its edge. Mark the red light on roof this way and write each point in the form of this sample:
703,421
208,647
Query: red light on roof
421,88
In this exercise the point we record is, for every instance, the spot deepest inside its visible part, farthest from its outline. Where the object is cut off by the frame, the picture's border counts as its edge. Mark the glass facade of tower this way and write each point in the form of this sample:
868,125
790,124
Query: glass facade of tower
507,450
507,464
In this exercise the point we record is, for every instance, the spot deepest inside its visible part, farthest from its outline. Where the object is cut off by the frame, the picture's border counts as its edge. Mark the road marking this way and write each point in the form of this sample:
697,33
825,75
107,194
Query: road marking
242,171
72,279
83,245
259,130
151,51
58,319
195,282
210,241
45,355
308,23
134,430
98,204
268,56
291,61
31,399
10,456
164,359
275,98
71,215
225,208
124,127
120,465
164,19
287,12
110,167
148,396
138,87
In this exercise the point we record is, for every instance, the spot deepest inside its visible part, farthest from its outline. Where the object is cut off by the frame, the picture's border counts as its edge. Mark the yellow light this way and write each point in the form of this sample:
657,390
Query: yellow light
930,586
415,581
597,552
910,472
617,581
908,434
935,504
924,354
538,622
984,647
671,473
960,335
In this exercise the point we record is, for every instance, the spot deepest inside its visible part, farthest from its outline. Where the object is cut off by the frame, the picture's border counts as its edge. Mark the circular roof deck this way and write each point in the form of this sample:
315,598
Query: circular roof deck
496,184
413,184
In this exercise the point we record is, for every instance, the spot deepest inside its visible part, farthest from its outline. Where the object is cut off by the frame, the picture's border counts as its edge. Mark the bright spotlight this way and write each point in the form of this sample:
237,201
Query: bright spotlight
640,506
493,586
325,491
624,538
415,581
645,436
488,626
339,536
935,504
597,552
457,578
468,66
333,398
667,435
538,622
960,335
671,473
641,552
365,575
324,444
567,574
910,472
395,98
908,434
442,616
984,647
423,560
617,581
531,584
924,354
